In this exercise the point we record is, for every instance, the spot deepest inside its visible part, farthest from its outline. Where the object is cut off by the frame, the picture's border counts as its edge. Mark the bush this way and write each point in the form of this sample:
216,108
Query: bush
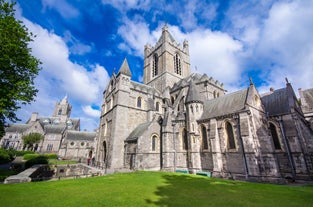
51,156
40,159
22,153
4,156
30,156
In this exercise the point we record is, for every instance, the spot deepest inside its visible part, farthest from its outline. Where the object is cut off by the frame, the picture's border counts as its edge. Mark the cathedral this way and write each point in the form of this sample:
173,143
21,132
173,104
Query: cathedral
182,121
61,134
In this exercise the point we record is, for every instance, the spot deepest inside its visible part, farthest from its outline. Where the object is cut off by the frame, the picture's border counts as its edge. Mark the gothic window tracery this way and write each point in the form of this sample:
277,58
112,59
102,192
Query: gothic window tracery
177,64
155,65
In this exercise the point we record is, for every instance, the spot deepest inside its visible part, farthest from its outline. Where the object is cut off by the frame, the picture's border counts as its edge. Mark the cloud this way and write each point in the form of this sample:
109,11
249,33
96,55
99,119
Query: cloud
65,9
76,47
91,112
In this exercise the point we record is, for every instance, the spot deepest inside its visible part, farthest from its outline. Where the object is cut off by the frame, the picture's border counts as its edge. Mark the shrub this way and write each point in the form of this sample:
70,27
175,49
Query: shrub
22,153
40,159
51,156
4,156
30,156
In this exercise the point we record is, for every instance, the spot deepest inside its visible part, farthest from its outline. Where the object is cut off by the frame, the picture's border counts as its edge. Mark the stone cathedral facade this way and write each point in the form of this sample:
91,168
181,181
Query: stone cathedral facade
177,120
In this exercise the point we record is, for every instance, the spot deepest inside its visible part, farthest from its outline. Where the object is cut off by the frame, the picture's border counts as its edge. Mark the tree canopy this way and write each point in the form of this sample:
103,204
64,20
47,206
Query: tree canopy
18,67
31,139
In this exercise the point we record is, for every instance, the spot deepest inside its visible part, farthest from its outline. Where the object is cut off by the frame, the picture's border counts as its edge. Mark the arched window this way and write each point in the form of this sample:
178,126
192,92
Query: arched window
185,139
157,106
104,150
275,137
214,94
139,102
155,65
60,112
154,142
172,100
230,136
204,138
177,64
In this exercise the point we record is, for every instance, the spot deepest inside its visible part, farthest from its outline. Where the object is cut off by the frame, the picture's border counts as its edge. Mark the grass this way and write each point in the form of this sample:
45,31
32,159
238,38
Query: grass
153,189
61,162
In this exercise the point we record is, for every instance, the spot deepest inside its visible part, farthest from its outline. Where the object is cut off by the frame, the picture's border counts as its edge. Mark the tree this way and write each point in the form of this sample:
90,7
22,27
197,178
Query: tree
18,67
31,139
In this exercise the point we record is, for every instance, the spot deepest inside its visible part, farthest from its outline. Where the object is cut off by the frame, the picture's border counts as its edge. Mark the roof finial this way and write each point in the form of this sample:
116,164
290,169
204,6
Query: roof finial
286,80
251,82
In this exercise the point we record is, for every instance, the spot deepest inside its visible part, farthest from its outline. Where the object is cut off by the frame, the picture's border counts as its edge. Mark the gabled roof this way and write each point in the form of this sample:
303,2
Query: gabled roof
20,128
55,129
276,103
138,131
227,104
124,69
193,94
308,96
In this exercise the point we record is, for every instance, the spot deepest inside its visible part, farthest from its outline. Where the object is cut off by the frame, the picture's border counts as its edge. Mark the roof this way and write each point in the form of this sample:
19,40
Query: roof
55,129
224,105
124,69
138,131
20,128
80,135
276,103
193,94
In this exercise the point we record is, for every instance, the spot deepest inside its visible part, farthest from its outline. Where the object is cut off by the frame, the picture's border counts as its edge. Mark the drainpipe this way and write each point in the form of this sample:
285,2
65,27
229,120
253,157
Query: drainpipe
293,171
243,148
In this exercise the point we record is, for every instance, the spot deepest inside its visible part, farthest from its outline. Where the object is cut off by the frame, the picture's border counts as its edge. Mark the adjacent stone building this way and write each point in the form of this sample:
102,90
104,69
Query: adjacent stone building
59,131
176,120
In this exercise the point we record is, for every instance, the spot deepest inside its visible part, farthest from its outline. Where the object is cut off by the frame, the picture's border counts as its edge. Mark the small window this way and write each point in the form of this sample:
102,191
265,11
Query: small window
60,112
157,106
154,142
177,64
230,136
275,137
82,144
205,145
185,139
139,100
72,143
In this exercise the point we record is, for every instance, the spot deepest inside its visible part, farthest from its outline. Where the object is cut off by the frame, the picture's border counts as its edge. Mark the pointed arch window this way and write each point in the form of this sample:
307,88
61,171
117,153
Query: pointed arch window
185,139
154,142
177,64
60,112
155,65
230,136
275,137
205,145
139,102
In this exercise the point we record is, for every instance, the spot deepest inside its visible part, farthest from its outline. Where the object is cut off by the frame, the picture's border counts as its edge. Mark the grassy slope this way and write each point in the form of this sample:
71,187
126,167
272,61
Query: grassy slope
153,189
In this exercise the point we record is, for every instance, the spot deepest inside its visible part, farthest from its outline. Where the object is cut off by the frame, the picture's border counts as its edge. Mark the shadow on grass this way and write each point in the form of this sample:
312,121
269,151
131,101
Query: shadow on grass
185,190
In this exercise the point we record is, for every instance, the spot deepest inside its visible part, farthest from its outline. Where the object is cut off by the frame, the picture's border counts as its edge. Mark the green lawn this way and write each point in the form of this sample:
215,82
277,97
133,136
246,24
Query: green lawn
153,189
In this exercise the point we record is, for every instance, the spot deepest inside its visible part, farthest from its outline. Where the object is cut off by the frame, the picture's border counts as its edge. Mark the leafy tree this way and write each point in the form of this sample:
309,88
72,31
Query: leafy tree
31,139
18,67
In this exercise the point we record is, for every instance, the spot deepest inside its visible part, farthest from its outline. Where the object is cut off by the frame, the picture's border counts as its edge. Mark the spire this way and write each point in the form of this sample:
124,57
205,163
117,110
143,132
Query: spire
64,100
124,69
193,94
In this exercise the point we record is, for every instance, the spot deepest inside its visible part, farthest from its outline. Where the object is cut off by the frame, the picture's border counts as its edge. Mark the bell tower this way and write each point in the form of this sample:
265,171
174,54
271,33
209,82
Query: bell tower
62,109
167,62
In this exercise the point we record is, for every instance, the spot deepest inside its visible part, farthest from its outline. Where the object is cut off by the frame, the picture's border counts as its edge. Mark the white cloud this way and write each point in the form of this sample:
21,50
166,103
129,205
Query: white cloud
76,47
91,112
65,9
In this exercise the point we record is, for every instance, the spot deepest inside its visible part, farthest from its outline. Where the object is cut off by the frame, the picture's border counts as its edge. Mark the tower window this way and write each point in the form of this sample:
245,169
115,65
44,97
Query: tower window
204,138
177,64
155,65
60,112
275,137
230,136
154,142
157,106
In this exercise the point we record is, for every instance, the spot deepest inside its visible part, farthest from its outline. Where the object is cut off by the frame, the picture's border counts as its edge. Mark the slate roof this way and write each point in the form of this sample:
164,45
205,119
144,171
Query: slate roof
276,103
226,104
124,69
80,135
144,88
55,129
138,131
20,128
193,94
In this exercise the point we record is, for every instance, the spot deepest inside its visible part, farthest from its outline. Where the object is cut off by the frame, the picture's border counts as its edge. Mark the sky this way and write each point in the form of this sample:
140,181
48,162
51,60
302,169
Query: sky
81,43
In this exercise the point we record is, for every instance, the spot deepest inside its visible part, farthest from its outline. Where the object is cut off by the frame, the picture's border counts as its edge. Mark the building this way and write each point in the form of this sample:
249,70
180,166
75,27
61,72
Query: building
176,120
61,133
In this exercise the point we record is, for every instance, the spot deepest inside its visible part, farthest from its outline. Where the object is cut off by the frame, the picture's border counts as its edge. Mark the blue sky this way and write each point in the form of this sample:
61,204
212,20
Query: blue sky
81,43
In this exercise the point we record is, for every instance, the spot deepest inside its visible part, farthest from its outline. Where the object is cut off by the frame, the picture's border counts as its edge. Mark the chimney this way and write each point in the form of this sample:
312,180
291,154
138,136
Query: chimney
34,117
